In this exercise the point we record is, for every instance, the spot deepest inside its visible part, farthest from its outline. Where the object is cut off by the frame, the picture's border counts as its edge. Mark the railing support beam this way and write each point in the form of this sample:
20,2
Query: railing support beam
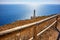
34,33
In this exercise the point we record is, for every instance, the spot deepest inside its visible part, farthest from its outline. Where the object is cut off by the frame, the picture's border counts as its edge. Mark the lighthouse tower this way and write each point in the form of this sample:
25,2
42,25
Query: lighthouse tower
34,15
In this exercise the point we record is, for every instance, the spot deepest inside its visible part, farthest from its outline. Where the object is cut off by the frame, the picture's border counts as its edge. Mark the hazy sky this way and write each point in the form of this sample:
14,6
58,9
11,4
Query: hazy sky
29,0
37,1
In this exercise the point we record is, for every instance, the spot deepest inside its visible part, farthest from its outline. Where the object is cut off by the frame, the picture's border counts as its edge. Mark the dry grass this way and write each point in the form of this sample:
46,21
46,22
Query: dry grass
27,33
19,23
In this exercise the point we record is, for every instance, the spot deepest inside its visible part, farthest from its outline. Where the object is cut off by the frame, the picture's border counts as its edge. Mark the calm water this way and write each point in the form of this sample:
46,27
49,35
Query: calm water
12,12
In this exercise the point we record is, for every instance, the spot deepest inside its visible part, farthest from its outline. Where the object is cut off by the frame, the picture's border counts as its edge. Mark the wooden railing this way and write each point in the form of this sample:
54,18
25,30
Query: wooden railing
31,24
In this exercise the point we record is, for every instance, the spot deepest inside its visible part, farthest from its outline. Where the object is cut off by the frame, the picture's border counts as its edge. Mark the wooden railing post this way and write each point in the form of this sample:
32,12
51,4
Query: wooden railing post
57,21
35,33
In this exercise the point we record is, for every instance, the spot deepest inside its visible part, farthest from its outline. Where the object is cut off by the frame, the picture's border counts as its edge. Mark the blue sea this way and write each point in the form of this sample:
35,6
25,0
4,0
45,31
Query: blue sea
12,12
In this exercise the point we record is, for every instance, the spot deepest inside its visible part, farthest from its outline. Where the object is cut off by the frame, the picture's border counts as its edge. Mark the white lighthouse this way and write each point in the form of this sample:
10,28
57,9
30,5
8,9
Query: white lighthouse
34,15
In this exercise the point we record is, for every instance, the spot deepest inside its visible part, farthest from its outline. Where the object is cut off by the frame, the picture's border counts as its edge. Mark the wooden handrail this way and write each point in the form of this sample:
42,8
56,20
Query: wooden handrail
25,26
44,29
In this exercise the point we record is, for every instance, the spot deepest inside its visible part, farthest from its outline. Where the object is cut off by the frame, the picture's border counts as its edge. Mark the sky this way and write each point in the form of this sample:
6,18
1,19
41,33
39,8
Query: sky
29,1
32,3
